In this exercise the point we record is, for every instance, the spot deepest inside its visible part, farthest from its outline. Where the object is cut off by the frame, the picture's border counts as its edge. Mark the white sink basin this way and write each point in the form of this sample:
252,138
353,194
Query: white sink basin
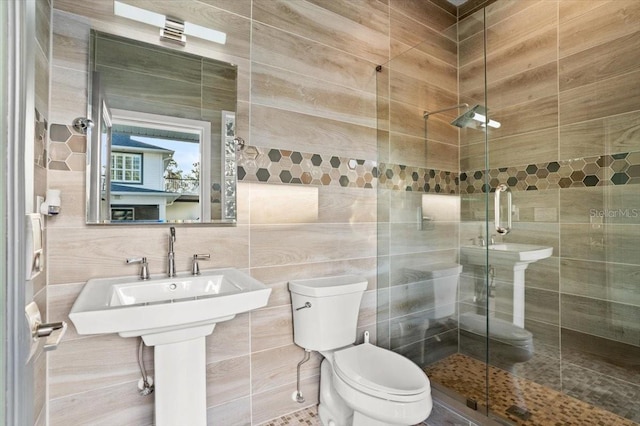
132,307
505,254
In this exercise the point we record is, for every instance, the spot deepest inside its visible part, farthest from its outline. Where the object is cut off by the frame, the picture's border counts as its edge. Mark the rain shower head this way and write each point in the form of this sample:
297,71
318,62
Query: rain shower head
474,117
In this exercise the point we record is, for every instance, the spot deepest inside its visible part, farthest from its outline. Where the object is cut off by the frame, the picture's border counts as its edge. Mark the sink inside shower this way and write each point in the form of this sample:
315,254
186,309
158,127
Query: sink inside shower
504,254
514,256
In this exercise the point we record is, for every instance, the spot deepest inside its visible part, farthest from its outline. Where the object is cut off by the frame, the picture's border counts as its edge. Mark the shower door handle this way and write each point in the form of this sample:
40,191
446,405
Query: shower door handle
499,190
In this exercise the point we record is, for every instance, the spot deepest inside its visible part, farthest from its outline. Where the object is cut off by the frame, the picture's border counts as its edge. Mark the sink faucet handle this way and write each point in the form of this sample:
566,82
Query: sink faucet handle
195,268
481,241
492,239
144,266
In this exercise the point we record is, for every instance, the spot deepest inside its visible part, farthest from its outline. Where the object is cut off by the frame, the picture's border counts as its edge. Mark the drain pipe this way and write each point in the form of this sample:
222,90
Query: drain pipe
297,395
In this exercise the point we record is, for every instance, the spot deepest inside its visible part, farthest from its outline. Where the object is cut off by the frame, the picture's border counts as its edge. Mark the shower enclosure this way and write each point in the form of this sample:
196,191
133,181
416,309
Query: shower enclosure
534,341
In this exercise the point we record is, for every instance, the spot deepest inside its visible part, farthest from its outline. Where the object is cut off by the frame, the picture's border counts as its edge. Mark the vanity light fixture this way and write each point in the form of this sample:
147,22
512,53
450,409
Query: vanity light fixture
171,29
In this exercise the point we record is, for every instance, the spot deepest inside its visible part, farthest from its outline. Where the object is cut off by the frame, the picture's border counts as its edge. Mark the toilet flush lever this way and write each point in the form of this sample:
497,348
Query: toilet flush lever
305,306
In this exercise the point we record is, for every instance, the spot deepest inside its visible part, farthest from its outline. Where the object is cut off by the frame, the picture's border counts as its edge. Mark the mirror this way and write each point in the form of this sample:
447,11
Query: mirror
163,149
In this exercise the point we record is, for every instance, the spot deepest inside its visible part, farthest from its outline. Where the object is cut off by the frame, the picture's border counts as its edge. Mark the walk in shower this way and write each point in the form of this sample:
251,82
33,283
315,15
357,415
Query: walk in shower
541,324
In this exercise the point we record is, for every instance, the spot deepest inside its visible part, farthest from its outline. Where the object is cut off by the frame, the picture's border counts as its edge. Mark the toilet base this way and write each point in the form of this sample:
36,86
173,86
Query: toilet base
332,409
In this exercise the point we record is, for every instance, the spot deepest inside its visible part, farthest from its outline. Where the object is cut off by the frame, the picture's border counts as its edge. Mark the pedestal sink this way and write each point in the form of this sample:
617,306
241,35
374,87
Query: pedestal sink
174,315
511,255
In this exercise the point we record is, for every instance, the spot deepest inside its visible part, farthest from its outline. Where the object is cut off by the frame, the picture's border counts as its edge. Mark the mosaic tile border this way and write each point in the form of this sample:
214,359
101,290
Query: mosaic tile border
269,165
418,179
604,170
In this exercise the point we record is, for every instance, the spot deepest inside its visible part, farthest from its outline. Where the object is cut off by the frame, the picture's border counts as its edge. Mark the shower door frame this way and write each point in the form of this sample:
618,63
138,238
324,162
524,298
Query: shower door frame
17,91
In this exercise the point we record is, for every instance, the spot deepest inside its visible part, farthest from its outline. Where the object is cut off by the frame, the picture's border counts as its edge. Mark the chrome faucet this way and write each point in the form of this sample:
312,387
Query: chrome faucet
171,257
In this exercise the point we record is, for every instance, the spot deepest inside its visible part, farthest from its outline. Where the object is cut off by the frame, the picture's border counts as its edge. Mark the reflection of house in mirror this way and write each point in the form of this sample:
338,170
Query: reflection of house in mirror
146,184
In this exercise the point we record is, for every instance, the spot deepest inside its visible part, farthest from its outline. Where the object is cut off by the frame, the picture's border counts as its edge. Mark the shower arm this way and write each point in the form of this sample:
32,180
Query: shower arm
428,113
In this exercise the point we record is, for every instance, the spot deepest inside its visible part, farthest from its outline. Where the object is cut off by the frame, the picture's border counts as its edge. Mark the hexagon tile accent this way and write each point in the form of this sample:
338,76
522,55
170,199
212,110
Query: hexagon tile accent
615,169
67,148
270,165
66,151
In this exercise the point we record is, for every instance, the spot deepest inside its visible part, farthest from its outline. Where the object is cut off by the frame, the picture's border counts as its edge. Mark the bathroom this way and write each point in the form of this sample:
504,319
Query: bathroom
346,84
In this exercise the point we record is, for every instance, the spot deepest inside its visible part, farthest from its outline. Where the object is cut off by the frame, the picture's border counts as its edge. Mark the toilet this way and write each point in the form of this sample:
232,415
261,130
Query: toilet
509,344
360,385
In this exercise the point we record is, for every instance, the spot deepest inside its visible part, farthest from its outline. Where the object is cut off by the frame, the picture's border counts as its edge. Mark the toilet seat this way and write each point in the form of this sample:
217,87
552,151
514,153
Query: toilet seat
499,329
381,373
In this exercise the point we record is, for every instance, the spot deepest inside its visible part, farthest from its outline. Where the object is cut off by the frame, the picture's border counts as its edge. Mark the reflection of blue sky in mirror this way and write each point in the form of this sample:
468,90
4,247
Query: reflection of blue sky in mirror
185,153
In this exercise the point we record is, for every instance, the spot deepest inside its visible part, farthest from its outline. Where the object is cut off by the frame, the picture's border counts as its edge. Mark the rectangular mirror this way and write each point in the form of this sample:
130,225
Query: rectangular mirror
163,147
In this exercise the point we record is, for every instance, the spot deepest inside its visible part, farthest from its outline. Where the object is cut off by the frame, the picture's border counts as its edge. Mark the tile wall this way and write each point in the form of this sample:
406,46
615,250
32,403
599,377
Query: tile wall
307,86
562,80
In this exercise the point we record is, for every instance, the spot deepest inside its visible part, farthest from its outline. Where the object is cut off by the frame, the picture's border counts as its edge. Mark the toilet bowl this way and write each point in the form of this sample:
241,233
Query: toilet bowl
360,385
509,344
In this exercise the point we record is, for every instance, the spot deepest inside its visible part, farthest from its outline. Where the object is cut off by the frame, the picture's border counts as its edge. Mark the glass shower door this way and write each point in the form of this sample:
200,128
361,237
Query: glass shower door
419,220
563,315
545,325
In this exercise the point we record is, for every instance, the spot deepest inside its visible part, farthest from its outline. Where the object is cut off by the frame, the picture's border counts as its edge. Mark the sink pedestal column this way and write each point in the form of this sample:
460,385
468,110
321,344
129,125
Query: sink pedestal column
518,293
181,383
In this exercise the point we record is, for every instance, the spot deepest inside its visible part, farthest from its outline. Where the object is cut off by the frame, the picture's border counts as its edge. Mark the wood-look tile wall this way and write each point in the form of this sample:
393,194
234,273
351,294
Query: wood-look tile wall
307,83
562,79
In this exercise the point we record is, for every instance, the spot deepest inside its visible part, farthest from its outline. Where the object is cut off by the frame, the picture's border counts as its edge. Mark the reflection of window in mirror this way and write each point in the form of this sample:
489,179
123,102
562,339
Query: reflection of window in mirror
125,167
155,168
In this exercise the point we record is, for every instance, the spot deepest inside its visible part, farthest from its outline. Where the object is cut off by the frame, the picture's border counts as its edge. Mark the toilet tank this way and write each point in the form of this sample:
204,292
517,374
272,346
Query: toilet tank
330,320
443,279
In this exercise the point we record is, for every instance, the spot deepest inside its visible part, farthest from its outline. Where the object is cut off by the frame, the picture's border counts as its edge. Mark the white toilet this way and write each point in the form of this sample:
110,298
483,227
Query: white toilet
361,385
510,344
